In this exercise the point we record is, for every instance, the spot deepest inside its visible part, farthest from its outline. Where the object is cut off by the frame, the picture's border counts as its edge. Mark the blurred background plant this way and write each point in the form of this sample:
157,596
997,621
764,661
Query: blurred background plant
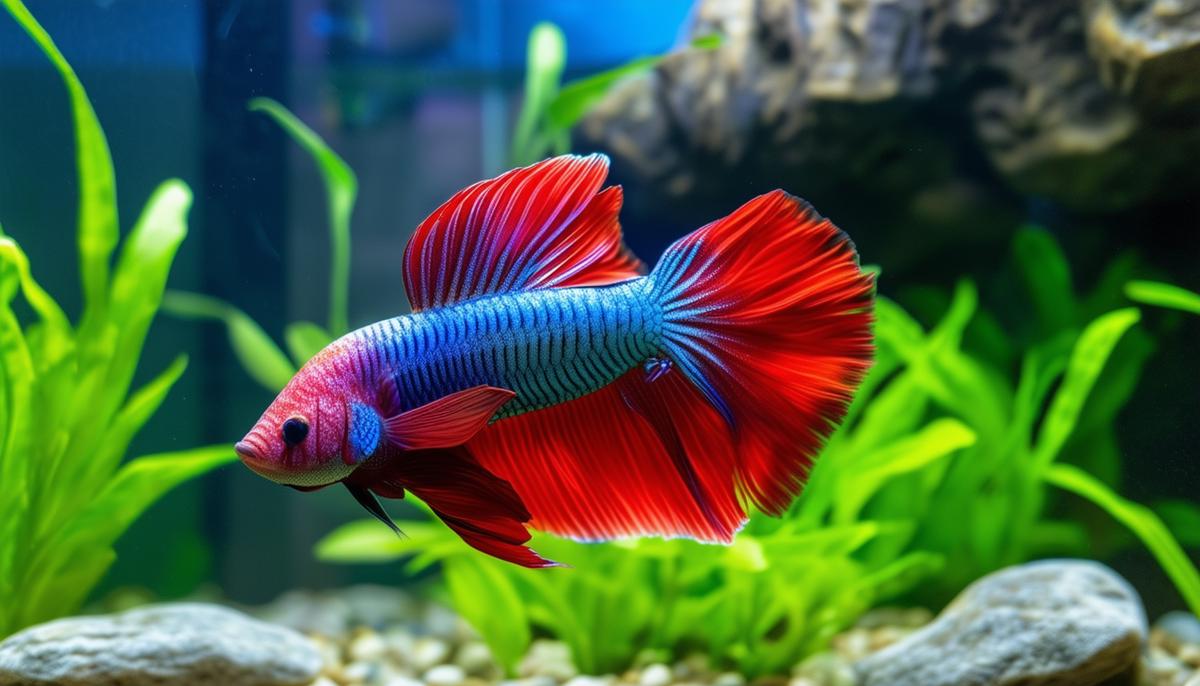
254,348
549,109
67,415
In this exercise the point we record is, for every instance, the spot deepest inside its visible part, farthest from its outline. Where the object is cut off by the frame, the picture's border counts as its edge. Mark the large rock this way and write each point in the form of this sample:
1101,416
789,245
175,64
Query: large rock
179,643
1090,103
1059,622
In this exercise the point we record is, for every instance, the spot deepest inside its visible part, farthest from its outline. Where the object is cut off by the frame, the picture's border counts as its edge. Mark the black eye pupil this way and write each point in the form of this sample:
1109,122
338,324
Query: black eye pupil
294,430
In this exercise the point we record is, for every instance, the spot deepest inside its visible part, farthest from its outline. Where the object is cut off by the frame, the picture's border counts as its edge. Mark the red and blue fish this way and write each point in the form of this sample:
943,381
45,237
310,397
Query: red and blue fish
547,379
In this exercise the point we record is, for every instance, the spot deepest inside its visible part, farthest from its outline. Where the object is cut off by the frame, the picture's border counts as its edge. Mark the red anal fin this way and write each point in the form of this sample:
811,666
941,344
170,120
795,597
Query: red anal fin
479,506
543,226
596,469
448,421
659,399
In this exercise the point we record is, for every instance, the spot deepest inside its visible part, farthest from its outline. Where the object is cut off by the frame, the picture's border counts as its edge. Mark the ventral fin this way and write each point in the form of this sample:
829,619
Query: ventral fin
371,504
543,226
480,507
448,421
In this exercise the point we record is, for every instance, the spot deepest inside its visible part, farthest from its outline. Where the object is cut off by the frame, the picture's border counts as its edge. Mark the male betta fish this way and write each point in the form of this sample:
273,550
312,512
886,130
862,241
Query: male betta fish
546,378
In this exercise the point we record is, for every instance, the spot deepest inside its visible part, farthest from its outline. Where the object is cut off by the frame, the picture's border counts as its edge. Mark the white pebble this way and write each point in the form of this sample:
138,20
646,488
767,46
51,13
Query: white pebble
590,681
729,679
475,659
403,681
367,647
655,675
549,659
400,645
427,652
445,675
357,672
324,681
529,681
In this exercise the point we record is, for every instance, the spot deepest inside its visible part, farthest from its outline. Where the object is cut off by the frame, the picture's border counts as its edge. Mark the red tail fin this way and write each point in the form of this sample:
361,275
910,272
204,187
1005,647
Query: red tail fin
767,312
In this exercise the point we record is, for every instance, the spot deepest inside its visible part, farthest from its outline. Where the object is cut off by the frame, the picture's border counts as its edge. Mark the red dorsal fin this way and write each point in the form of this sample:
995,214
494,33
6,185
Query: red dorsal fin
448,421
543,226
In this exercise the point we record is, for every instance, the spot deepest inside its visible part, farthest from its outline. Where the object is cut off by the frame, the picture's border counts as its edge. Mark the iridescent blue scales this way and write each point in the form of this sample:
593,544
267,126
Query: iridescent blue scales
548,346
545,380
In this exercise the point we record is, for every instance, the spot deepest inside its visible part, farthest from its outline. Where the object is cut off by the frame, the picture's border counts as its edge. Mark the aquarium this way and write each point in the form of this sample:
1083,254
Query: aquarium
564,343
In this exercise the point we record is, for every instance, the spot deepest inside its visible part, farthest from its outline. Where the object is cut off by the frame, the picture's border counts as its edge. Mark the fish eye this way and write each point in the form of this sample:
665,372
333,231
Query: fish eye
294,430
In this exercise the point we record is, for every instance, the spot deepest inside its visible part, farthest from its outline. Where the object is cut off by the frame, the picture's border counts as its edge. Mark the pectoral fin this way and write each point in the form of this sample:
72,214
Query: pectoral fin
446,422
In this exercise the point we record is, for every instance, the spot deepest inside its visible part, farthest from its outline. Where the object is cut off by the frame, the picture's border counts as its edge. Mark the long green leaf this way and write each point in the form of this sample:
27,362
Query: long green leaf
141,275
16,388
1090,354
57,332
98,224
1141,521
341,188
937,441
258,354
578,97
491,604
1047,278
133,416
546,56
368,541
1163,295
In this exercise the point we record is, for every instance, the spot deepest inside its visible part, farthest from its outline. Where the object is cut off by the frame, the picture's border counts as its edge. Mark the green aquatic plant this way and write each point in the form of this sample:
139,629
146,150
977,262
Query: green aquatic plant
1163,295
258,354
943,470
67,415
777,593
550,109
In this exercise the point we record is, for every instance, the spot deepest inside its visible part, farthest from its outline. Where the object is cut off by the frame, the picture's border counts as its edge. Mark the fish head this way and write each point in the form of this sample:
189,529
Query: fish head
300,438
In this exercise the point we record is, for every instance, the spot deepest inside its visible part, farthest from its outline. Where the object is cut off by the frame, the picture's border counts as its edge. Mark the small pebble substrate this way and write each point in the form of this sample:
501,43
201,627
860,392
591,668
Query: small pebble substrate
381,637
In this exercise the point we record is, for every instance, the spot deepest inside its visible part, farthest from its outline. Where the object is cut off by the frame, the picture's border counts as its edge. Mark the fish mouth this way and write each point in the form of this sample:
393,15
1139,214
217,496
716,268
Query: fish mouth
247,452
253,458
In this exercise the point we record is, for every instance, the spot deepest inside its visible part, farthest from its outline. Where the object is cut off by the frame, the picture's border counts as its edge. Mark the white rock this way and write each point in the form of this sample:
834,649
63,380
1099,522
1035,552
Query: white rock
826,669
445,675
428,652
367,646
476,659
548,658
182,643
357,672
530,681
655,675
1051,622
729,679
400,645
403,681
444,624
591,681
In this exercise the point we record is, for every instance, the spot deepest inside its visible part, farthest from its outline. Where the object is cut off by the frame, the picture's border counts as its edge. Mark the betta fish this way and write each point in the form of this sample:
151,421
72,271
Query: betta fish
547,379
